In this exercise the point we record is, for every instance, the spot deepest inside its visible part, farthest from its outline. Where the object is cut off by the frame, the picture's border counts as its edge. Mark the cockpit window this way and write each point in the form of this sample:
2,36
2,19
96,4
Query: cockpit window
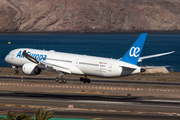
11,53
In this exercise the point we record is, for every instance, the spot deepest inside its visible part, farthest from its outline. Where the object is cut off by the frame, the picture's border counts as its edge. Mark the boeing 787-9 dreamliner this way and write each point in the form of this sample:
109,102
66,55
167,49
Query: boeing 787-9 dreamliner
33,61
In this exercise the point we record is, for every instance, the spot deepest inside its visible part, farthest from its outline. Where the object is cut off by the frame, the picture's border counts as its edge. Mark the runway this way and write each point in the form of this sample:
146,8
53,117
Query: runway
115,87
97,106
90,106
111,81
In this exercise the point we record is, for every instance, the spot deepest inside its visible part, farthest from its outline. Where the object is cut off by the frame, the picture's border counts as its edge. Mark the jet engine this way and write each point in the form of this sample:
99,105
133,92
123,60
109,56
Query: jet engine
31,69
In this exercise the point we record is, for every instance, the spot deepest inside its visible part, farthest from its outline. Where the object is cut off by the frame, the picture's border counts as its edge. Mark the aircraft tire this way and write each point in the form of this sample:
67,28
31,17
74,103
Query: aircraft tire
88,80
81,79
64,81
84,80
57,79
60,81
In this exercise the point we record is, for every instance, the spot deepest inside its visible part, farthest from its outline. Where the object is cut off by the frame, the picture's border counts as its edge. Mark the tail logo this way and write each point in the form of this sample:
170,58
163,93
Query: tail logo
134,52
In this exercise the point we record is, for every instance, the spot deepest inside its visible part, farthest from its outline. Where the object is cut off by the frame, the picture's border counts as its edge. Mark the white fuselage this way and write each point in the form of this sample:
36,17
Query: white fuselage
77,64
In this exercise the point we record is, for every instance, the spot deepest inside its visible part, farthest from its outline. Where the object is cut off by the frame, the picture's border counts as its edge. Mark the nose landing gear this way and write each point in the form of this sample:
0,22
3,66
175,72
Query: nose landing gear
16,71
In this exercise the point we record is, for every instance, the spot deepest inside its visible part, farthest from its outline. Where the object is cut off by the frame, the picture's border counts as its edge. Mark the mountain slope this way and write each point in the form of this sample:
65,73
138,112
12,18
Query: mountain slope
89,15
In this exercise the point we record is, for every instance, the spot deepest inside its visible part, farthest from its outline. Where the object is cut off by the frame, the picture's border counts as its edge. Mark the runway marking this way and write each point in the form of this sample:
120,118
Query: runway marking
86,87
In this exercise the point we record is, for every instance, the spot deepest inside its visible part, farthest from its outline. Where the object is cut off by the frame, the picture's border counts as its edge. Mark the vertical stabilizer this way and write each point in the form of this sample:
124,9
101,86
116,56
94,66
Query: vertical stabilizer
133,54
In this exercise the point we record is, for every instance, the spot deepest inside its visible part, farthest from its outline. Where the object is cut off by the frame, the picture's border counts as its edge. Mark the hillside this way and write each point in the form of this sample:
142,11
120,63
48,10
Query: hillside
89,15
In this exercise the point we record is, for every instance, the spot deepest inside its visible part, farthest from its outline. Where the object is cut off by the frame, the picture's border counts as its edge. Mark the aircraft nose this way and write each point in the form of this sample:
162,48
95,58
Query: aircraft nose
7,58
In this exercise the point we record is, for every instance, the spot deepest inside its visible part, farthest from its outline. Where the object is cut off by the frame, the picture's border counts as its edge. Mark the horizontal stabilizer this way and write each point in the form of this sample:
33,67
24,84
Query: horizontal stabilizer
152,56
154,67
132,67
128,67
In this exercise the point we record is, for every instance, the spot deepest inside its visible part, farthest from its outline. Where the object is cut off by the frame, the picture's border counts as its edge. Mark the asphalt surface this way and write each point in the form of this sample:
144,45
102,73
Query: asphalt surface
52,79
107,107
124,107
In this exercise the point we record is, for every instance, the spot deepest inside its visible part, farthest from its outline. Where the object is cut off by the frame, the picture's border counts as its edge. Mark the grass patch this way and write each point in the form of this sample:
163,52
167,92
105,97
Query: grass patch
26,106
18,106
2,105
133,111
163,79
118,110
150,111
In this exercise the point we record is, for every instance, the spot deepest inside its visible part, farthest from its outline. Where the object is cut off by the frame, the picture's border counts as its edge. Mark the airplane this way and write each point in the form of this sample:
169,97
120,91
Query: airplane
33,61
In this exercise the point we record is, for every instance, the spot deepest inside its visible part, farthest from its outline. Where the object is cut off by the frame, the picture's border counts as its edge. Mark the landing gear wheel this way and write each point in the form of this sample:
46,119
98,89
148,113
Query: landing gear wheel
88,80
85,80
57,79
16,72
60,81
81,79
64,81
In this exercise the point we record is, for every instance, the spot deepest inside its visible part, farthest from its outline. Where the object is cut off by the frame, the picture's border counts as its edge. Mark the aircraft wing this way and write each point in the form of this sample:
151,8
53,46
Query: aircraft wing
58,67
156,55
46,65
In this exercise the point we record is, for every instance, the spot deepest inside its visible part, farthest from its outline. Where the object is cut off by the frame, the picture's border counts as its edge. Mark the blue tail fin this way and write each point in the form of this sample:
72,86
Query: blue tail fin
132,55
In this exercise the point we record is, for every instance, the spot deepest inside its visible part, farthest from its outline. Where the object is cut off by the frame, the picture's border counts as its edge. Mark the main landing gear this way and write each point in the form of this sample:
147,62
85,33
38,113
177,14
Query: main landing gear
60,80
85,80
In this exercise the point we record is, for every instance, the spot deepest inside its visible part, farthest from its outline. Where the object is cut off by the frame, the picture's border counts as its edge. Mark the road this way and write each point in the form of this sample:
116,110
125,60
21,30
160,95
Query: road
97,106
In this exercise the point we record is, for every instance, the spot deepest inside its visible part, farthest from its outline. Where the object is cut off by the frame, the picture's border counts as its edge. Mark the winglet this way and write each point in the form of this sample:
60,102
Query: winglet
133,54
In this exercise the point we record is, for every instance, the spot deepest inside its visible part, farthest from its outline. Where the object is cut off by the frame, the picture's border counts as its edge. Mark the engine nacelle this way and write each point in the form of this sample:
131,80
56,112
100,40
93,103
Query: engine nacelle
31,69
